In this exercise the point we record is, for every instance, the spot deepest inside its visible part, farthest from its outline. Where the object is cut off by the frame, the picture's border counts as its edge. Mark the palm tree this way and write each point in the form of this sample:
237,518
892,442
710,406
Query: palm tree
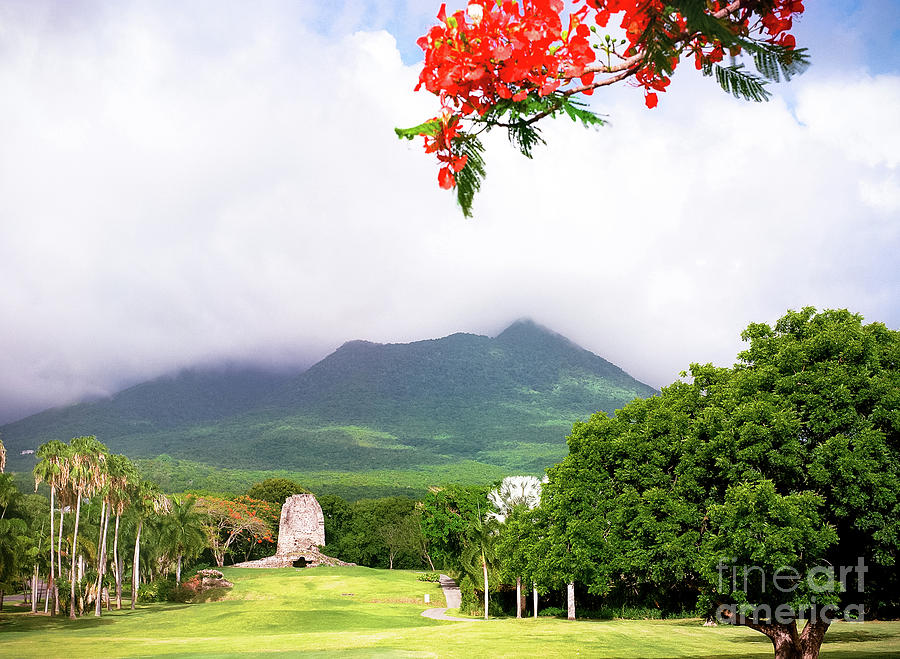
479,551
85,475
182,532
8,492
149,500
516,493
104,491
48,470
122,478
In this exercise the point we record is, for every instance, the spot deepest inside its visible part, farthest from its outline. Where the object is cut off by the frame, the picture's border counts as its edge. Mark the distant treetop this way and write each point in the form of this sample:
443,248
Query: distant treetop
276,490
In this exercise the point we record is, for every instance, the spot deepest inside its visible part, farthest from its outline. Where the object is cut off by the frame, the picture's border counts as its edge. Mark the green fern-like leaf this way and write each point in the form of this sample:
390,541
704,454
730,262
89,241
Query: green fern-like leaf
524,137
738,82
776,62
579,112
470,177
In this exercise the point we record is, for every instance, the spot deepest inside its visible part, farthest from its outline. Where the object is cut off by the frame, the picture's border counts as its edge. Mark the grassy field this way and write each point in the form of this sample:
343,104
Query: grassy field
361,612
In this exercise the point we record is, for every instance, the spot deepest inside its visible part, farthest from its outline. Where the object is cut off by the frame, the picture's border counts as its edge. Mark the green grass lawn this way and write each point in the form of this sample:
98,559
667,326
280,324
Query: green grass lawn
361,612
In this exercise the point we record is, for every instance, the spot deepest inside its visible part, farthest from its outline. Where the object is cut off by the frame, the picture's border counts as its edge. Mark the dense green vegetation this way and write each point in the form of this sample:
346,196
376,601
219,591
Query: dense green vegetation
181,475
766,495
500,405
364,612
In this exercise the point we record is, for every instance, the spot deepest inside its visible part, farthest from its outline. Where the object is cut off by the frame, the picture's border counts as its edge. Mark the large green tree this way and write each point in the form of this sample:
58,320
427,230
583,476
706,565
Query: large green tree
739,489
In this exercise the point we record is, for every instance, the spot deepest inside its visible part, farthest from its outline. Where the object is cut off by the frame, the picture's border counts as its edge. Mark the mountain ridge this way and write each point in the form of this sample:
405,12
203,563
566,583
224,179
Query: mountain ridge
507,400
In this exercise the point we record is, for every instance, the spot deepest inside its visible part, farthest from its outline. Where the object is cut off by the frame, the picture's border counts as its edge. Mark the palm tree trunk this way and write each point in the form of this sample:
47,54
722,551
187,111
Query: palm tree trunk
51,583
570,600
135,565
534,585
59,546
59,563
74,547
119,566
518,597
178,572
484,568
34,587
101,567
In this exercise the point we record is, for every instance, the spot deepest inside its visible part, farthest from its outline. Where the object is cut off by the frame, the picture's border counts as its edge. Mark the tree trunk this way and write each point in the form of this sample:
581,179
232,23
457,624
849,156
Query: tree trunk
101,567
34,588
59,562
430,562
484,567
570,600
1,600
178,571
52,580
119,566
135,565
74,546
787,643
518,597
534,585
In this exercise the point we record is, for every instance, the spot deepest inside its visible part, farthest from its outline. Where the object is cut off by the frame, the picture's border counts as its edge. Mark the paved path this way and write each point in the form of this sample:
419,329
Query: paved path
453,597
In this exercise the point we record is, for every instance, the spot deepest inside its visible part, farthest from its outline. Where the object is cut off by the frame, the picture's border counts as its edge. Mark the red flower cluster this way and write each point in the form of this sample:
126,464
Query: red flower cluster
499,50
441,143
503,50
495,51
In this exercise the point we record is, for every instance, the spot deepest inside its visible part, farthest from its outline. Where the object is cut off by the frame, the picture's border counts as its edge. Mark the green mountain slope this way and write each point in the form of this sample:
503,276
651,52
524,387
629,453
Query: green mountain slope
505,402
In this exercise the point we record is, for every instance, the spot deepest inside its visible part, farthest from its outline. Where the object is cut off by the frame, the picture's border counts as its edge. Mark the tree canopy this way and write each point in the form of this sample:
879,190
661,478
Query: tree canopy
508,64
768,492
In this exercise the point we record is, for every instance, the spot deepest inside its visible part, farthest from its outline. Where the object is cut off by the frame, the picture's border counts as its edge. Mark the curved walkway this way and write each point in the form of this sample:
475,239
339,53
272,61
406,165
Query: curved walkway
454,599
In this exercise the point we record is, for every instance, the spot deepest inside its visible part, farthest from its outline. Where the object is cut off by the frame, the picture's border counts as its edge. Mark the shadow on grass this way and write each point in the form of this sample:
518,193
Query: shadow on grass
859,634
23,621
29,623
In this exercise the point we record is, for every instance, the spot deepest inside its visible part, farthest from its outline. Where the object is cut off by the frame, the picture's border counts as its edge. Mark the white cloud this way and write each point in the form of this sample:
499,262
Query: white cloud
191,186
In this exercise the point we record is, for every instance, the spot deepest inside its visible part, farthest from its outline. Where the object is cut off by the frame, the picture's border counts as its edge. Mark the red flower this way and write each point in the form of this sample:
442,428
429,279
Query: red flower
446,178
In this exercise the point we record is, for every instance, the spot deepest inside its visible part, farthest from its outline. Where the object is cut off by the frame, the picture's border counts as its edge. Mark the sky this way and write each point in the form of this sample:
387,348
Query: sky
192,183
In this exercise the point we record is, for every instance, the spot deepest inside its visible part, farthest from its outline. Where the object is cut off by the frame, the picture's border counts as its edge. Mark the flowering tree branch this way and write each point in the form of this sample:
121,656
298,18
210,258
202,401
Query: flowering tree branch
501,63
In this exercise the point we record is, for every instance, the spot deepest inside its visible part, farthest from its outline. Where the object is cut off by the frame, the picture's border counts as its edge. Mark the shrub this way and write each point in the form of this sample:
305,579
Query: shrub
472,597
182,594
156,591
469,602
432,577
211,595
552,612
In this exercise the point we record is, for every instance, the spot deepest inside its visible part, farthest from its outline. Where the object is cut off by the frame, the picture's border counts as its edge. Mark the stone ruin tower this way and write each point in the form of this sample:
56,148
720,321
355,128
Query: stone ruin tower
301,531
302,525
